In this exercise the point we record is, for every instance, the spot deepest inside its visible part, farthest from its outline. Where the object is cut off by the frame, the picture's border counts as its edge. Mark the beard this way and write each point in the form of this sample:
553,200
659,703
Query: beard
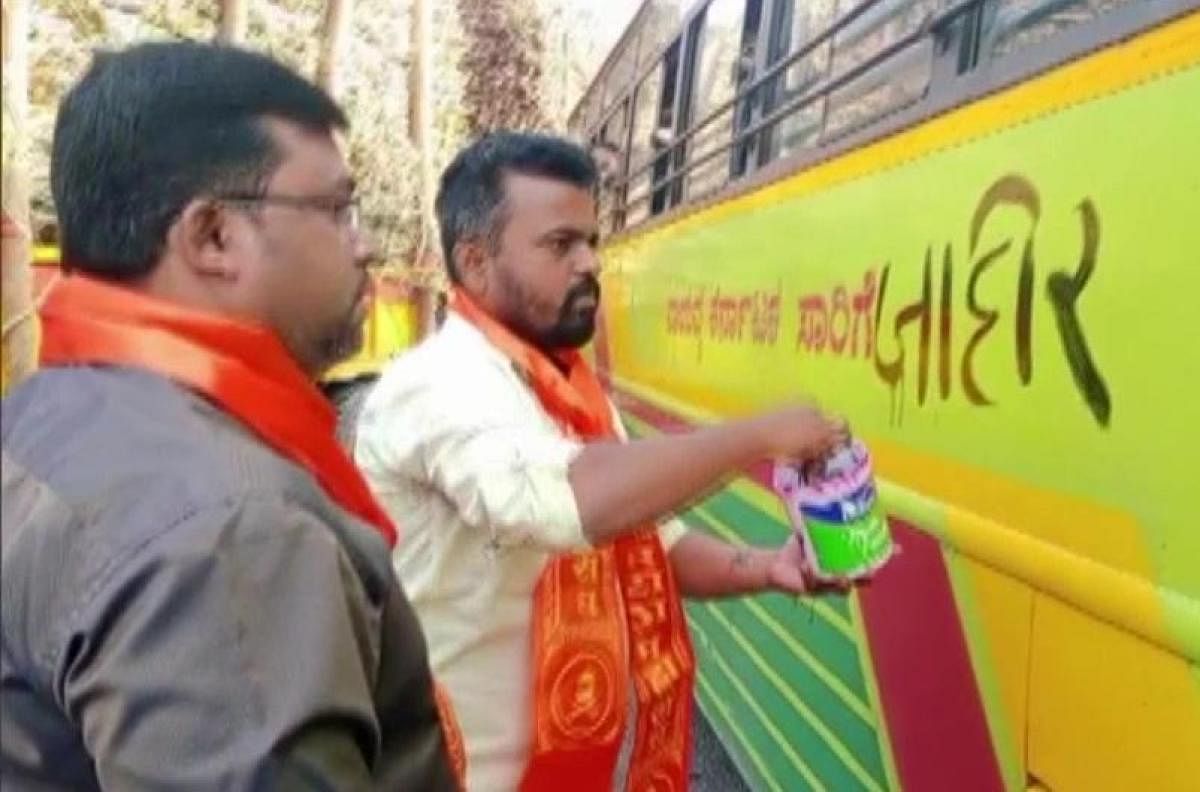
343,342
576,322
344,338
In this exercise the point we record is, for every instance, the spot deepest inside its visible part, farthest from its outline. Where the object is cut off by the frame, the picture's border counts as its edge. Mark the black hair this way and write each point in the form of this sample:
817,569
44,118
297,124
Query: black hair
470,198
151,128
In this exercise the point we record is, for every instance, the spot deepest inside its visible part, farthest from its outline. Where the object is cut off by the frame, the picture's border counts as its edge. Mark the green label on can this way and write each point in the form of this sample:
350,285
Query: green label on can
849,548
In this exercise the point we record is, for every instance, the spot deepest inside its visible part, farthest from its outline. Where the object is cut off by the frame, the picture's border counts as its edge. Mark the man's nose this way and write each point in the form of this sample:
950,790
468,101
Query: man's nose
365,251
587,261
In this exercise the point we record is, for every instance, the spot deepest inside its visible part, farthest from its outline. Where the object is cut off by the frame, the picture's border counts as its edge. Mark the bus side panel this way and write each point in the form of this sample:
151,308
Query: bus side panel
1000,300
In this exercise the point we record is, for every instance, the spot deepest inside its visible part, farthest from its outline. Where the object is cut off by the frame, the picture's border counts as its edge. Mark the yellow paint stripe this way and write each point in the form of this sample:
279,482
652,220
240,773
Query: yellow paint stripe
769,726
867,665
829,614
1159,615
1168,48
1108,535
731,724
856,705
831,740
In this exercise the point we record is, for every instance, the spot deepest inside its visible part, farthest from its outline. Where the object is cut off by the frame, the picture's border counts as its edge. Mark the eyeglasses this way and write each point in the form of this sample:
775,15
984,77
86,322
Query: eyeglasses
344,211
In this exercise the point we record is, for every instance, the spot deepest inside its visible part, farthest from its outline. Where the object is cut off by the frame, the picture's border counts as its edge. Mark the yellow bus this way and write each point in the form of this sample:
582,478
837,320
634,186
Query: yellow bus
971,226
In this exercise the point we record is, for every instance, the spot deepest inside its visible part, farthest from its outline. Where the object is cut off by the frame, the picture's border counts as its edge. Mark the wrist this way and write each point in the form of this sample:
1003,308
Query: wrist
751,568
766,560
762,439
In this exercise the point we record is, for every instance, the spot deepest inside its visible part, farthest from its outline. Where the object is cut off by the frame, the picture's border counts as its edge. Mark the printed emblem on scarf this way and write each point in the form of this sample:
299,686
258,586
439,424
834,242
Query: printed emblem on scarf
583,696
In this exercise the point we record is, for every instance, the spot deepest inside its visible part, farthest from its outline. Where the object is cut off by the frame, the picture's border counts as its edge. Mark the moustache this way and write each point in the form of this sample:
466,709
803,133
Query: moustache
589,288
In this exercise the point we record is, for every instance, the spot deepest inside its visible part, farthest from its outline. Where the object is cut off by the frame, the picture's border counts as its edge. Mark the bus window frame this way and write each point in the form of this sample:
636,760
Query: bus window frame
662,172
976,72
692,43
747,92
776,41
747,101
822,88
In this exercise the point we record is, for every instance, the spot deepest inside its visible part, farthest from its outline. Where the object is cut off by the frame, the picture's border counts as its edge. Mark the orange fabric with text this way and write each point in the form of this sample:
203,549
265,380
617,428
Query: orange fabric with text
603,619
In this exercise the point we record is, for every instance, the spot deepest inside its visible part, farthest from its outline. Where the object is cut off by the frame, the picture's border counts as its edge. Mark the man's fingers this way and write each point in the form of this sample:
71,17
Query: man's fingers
838,584
816,583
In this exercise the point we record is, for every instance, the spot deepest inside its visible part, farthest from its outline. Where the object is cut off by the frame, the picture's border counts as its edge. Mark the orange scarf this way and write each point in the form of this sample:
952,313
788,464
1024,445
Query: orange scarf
602,618
244,369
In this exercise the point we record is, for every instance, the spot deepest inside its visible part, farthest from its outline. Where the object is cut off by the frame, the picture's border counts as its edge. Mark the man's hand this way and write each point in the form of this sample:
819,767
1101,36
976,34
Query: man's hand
801,433
791,572
708,567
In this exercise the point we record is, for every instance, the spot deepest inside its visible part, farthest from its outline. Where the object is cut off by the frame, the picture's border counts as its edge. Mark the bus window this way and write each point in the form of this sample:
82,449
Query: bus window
715,81
664,133
1016,24
878,27
747,71
608,149
645,127
685,114
794,26
891,84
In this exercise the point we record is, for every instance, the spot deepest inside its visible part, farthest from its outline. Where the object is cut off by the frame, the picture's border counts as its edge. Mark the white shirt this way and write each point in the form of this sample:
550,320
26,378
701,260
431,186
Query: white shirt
458,449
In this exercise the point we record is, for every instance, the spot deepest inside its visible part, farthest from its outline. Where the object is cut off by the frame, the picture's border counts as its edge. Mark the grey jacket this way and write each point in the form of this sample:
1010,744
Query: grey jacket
185,609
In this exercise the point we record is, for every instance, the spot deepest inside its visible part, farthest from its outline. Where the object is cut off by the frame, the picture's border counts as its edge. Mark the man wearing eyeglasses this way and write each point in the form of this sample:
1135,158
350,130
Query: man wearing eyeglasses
197,588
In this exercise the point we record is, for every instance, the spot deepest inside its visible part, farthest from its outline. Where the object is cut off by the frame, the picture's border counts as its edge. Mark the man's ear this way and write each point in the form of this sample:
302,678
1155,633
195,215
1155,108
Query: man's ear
471,265
203,238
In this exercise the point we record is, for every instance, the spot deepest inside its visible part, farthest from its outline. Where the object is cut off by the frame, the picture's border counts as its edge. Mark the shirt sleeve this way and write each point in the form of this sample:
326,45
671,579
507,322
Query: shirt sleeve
670,531
233,652
477,447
